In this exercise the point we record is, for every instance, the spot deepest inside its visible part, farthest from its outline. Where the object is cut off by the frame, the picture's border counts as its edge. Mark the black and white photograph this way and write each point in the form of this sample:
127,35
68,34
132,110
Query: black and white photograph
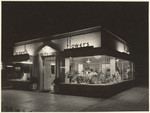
74,56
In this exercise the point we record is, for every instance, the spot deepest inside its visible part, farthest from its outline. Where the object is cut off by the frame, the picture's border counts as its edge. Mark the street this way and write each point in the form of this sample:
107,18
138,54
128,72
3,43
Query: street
134,99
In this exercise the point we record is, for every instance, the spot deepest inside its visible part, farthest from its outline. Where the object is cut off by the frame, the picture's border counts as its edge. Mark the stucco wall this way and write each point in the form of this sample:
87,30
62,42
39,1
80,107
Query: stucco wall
31,48
94,39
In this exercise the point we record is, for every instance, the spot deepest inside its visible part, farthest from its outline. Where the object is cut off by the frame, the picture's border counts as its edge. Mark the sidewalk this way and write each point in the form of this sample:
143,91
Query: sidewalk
135,99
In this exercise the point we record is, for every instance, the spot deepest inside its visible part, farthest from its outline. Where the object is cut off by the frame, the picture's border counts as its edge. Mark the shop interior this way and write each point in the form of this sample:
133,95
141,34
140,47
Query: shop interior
20,72
98,70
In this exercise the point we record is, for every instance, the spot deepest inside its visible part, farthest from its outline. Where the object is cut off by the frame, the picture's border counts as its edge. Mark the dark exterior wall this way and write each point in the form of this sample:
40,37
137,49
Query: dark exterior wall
110,42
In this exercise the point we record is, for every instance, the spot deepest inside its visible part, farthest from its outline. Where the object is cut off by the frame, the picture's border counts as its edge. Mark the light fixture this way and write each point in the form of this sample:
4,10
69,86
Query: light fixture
9,66
117,60
88,61
97,56
24,62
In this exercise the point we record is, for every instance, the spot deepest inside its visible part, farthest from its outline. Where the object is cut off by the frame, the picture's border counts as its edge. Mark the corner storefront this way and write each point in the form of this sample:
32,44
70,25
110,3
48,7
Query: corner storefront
89,62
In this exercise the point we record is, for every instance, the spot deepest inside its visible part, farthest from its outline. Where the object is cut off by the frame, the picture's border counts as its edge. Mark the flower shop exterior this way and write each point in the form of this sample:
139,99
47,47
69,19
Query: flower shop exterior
89,62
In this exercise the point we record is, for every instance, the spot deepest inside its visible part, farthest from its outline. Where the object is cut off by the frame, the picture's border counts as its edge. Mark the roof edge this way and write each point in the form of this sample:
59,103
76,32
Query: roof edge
77,32
61,35
116,37
69,34
32,41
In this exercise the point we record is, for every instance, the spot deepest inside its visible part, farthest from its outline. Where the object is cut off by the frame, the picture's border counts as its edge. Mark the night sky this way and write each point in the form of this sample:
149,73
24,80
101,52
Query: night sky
29,20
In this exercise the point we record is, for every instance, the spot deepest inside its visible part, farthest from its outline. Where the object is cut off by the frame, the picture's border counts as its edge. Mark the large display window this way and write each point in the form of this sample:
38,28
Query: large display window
21,72
99,69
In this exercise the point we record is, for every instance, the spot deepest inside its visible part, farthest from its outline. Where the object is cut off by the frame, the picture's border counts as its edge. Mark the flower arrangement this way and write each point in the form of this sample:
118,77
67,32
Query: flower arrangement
72,74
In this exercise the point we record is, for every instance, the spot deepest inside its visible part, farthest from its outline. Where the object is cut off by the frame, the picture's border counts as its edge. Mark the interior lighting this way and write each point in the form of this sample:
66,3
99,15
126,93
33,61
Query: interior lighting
88,61
9,66
24,62
97,56
117,60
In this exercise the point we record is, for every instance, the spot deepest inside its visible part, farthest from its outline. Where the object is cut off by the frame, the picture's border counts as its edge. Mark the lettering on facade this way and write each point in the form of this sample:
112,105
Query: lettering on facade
125,48
78,45
47,54
71,45
21,53
49,58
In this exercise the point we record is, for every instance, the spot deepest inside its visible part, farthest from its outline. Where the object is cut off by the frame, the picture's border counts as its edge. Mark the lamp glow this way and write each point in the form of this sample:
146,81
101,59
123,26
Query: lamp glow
24,62
97,56
9,66
88,61
117,60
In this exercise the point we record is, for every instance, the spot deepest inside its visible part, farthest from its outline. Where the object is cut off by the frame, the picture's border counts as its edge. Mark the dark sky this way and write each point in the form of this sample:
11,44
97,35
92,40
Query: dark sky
29,20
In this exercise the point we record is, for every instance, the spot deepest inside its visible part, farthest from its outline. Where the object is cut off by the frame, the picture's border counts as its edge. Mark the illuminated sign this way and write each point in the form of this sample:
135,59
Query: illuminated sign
78,41
49,58
47,54
71,43
21,53
78,45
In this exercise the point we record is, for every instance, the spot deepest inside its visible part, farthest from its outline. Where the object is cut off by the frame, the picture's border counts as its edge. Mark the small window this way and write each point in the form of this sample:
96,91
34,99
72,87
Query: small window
52,69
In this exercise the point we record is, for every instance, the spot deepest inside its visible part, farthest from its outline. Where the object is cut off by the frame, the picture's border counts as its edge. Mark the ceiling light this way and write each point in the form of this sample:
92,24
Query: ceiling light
117,60
97,56
9,66
88,61
24,62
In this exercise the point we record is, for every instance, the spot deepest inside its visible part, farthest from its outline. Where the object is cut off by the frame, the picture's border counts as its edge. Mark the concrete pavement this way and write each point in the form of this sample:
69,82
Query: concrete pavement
134,99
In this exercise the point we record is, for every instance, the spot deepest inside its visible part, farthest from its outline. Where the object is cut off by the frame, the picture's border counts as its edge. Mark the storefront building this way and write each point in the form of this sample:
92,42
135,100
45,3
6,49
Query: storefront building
85,61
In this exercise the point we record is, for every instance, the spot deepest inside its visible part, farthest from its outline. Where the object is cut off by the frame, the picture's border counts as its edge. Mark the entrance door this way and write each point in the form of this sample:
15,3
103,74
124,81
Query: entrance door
49,74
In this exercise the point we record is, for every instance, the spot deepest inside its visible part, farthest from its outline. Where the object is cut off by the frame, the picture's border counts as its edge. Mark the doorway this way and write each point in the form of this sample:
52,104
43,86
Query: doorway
49,69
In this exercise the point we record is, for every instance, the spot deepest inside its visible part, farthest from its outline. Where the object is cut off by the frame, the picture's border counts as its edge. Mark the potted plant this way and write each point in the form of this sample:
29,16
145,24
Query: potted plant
56,85
33,83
